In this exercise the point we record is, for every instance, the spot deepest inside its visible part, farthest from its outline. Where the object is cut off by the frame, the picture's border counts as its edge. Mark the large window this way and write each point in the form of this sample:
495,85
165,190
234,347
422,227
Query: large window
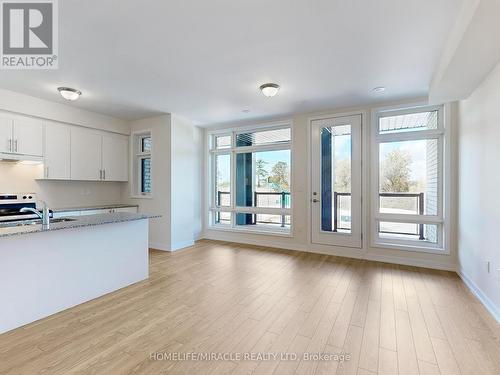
250,182
408,178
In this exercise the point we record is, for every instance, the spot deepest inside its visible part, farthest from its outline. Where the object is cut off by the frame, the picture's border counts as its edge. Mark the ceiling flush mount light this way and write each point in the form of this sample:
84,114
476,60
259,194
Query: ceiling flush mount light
270,89
379,90
68,93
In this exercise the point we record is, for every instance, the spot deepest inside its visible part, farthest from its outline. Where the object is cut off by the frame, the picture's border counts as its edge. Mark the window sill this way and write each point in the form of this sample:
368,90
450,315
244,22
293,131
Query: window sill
264,232
413,248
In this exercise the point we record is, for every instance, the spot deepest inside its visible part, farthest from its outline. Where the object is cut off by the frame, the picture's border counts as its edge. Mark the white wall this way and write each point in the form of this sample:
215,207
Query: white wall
182,177
300,239
28,105
474,41
198,182
176,183
21,178
159,203
479,183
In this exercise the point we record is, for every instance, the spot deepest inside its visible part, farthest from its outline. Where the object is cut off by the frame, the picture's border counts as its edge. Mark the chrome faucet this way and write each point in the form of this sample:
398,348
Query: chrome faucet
44,216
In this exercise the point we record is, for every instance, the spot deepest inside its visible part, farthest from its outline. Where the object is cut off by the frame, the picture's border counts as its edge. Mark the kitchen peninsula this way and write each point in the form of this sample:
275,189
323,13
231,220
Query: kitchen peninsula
47,270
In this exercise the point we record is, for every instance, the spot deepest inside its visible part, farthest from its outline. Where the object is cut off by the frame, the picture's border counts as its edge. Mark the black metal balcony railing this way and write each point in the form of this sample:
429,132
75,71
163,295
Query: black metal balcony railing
420,211
283,202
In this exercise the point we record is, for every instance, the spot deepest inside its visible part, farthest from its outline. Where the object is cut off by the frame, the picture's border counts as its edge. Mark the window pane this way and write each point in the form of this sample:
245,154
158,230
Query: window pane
223,180
146,144
408,231
336,150
409,122
222,218
408,177
264,221
223,141
146,175
343,213
263,179
264,137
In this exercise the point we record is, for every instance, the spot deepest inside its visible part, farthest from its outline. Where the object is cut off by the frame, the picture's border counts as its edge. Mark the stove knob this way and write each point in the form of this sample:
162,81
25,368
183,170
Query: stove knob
24,197
30,197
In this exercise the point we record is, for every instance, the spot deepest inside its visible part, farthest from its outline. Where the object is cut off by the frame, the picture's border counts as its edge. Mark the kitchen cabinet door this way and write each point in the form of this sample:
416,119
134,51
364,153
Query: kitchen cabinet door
5,134
86,146
57,151
115,157
27,135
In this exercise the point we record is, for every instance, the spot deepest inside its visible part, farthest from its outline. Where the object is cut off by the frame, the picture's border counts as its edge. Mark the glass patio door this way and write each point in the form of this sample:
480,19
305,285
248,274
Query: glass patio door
336,181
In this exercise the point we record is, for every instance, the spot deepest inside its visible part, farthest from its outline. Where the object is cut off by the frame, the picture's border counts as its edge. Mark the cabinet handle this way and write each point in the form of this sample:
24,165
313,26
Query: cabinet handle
15,144
100,174
47,172
104,174
9,142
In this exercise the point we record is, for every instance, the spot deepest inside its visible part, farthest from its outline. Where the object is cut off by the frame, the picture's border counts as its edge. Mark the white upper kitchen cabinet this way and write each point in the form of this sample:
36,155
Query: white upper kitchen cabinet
21,135
98,156
115,157
57,145
5,134
86,151
27,136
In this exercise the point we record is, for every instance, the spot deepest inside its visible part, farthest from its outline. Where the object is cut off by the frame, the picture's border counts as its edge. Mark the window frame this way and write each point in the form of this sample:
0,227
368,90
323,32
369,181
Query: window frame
137,156
233,151
441,219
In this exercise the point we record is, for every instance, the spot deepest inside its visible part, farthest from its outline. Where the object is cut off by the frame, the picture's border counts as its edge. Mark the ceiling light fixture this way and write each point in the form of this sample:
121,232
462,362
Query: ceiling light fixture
270,89
68,93
379,90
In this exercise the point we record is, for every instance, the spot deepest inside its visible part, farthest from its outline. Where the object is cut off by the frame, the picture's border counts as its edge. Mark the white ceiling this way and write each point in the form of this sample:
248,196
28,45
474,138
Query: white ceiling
206,59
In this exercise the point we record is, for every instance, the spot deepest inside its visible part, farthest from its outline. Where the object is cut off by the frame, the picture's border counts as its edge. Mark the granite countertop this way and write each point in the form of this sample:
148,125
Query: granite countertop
75,222
89,208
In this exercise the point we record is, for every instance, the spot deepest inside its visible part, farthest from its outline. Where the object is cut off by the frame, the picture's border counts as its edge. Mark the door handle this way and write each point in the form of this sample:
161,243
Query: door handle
314,200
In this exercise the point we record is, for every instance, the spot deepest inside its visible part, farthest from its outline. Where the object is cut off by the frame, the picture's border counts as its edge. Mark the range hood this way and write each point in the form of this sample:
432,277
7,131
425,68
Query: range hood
16,158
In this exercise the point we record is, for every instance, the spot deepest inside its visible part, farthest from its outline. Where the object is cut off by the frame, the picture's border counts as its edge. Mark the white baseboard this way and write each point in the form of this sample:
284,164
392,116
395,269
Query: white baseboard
173,247
424,263
159,246
336,251
181,245
483,298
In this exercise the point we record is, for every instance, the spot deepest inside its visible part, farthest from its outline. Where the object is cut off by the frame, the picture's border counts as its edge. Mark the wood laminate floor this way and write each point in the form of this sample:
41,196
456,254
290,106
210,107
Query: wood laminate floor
225,298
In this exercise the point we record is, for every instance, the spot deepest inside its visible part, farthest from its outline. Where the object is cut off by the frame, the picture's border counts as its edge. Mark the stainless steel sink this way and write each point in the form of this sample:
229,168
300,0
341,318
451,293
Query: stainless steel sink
33,222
